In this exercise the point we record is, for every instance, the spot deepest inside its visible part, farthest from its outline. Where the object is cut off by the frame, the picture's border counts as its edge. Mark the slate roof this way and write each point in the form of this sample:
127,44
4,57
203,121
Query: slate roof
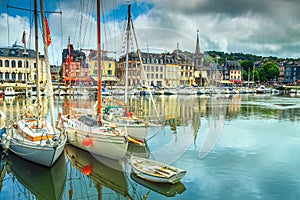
16,51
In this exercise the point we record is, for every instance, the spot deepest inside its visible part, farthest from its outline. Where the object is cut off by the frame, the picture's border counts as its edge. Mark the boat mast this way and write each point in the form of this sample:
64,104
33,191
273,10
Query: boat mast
48,73
143,73
37,59
99,111
69,66
127,52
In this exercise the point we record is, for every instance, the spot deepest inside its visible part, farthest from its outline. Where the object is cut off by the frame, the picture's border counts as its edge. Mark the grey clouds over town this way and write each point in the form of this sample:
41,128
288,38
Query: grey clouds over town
266,28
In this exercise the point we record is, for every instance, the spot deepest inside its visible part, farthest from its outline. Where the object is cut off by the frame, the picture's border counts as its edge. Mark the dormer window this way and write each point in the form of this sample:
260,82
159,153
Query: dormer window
12,52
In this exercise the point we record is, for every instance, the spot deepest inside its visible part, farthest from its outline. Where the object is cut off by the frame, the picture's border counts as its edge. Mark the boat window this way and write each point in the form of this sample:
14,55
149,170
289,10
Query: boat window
88,120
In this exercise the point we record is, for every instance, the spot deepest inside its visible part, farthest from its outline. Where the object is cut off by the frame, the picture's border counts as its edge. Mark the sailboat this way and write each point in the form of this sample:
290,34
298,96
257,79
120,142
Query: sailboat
34,138
137,128
91,134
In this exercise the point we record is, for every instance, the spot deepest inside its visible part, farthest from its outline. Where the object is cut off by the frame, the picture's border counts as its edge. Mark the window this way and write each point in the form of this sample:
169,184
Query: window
19,76
19,64
1,64
109,65
13,63
7,76
109,72
6,63
27,64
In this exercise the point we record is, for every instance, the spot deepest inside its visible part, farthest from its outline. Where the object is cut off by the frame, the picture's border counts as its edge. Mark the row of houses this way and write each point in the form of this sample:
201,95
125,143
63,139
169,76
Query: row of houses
158,69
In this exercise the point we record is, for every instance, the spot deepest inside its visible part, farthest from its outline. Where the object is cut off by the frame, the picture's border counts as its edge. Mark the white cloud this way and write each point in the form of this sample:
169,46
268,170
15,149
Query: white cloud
262,28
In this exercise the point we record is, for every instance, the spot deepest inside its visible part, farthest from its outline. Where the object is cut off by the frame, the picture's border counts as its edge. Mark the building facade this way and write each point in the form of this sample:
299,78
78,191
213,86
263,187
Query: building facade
18,65
291,72
75,68
108,69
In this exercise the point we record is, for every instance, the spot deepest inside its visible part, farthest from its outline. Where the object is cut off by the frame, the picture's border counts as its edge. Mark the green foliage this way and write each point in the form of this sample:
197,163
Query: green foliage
234,56
268,71
246,64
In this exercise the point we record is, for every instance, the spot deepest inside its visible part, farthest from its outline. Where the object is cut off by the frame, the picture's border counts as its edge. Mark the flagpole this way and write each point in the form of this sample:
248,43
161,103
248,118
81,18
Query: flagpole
25,54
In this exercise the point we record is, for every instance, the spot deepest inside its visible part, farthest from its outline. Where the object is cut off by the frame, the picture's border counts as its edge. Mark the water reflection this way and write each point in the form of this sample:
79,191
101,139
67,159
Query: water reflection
217,139
104,173
35,181
168,190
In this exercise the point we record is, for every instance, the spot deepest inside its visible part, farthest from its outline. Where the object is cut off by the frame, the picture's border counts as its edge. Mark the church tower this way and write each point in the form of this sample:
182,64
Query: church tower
198,59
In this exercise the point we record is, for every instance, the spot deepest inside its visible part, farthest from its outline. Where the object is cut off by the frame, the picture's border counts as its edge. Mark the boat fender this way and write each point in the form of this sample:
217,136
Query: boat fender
135,141
6,142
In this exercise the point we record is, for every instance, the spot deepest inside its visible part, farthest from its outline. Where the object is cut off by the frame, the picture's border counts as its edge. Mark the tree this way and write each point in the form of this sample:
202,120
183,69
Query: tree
268,71
247,66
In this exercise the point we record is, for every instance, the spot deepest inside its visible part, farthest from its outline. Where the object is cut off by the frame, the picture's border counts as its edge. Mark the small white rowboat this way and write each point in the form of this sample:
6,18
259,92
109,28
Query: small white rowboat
154,171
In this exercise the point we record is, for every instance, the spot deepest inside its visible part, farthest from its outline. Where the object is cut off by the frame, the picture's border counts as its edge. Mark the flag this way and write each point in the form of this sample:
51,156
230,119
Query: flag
23,38
69,59
48,37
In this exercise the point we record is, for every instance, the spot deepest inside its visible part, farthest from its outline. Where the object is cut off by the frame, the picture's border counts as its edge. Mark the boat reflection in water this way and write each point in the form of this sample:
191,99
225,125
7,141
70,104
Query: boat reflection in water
104,172
168,190
138,150
39,181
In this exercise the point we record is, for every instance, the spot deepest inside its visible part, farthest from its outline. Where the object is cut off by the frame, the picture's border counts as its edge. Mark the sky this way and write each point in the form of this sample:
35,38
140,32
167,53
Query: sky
264,28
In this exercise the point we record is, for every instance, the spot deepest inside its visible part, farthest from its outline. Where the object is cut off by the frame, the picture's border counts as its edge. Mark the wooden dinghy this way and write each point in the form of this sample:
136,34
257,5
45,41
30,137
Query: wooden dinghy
154,171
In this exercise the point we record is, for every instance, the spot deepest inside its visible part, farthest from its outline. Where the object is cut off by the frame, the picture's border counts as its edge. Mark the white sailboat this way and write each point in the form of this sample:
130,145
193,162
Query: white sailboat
91,134
137,128
33,137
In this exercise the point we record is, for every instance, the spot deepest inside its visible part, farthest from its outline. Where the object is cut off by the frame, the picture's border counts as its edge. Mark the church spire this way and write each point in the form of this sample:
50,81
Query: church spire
198,62
197,52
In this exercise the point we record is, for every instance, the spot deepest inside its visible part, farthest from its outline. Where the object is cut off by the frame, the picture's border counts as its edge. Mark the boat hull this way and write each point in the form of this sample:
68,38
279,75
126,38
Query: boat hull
110,146
155,171
44,152
173,180
43,155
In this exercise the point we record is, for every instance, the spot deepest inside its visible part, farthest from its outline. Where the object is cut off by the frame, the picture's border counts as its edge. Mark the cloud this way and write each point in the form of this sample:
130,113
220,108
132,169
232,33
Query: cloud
267,28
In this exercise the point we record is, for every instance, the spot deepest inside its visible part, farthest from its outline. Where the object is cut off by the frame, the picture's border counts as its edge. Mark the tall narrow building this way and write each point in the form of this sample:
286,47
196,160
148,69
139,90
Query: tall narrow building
198,63
198,58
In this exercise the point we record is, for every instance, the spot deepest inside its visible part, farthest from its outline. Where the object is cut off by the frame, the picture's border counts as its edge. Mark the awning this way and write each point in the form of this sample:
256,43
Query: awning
226,81
236,81
105,78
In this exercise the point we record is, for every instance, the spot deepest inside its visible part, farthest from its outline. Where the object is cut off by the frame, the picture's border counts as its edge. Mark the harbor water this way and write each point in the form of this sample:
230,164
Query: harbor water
232,147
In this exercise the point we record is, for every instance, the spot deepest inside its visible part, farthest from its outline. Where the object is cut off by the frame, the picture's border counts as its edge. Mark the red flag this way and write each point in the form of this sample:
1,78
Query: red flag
48,37
23,38
69,60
